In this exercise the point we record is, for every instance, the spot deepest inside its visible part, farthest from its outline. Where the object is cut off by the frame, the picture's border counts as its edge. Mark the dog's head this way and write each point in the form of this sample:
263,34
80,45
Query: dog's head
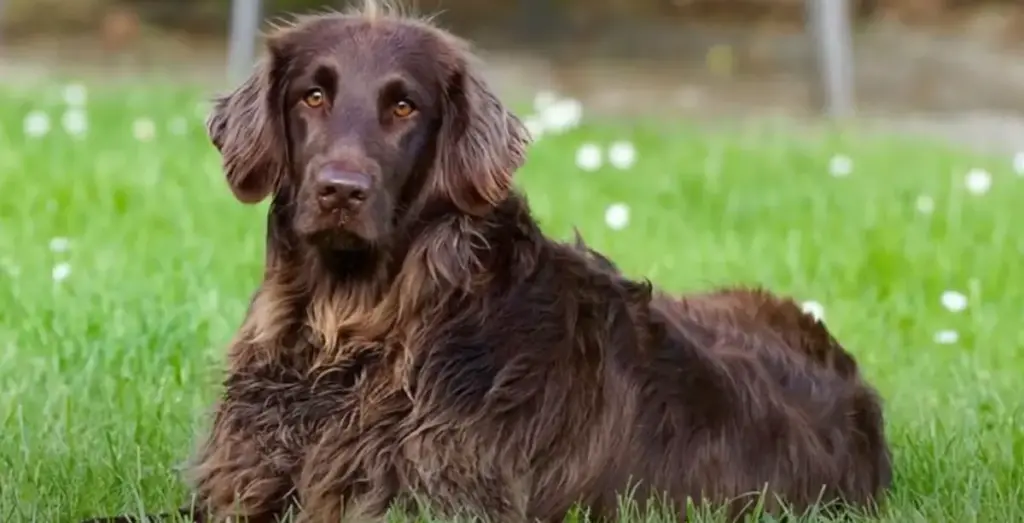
360,120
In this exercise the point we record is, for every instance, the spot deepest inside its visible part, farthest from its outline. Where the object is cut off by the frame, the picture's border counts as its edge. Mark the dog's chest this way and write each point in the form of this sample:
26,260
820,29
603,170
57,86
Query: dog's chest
289,405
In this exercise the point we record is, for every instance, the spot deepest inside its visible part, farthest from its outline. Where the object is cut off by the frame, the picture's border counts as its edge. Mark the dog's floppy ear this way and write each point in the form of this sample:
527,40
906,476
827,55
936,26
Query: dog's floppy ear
247,127
480,143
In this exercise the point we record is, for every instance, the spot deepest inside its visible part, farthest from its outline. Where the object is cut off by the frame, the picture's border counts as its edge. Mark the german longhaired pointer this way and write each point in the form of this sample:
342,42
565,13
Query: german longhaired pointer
417,339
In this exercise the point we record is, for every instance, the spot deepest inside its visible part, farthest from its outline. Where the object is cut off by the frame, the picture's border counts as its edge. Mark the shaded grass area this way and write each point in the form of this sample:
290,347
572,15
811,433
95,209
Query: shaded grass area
105,375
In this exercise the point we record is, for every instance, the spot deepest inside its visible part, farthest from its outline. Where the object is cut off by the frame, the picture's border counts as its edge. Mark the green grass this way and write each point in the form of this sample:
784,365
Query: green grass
105,376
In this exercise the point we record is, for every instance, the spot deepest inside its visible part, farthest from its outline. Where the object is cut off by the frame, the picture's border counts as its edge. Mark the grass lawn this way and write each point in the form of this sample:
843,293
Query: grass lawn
125,266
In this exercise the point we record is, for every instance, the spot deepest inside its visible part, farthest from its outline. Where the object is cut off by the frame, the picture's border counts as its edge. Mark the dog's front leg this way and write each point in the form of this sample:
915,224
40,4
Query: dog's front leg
243,468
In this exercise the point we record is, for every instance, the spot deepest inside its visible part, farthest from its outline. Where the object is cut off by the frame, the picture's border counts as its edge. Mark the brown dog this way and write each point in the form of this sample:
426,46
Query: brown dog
416,338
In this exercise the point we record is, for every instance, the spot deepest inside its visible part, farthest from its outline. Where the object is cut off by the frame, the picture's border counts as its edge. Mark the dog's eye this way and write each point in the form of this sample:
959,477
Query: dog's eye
314,97
403,109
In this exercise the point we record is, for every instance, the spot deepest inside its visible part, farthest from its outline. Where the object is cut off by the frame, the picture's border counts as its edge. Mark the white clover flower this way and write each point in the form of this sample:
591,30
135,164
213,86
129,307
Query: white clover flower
946,337
814,309
978,181
954,301
616,216
840,166
534,126
622,154
61,271
562,115
588,157
1018,163
37,124
75,122
59,244
925,204
143,129
544,99
75,95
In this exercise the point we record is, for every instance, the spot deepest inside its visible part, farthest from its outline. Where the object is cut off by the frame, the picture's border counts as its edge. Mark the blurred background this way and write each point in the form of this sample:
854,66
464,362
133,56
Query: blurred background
951,67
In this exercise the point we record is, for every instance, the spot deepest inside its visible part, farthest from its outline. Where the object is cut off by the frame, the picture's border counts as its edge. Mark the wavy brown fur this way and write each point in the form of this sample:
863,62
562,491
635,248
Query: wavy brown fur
461,357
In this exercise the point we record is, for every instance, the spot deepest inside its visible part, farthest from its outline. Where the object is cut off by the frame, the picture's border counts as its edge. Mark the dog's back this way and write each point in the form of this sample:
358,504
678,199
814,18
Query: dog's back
740,388
754,309
751,368
743,308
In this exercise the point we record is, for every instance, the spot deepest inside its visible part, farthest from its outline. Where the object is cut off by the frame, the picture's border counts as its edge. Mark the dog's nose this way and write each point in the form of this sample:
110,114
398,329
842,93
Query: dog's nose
336,188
